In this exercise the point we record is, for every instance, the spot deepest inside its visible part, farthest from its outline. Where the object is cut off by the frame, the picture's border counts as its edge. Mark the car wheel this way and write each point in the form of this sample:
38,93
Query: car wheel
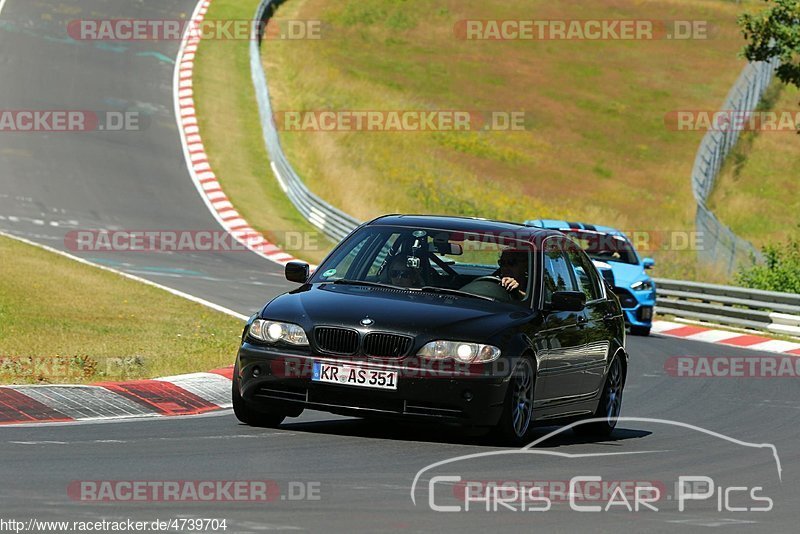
247,414
609,406
517,418
640,330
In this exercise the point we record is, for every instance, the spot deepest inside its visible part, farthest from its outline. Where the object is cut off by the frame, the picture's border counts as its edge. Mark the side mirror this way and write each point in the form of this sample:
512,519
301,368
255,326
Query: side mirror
648,263
568,301
297,271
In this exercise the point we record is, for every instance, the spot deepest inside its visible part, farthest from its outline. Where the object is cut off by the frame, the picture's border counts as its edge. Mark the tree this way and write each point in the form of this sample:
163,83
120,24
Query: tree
775,32
780,271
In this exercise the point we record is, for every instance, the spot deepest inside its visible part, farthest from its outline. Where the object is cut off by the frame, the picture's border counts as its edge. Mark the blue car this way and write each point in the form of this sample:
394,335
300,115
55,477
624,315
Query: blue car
616,259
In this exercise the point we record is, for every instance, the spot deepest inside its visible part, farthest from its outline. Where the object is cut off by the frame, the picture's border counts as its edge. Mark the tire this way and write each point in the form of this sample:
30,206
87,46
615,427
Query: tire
609,406
640,330
247,414
516,421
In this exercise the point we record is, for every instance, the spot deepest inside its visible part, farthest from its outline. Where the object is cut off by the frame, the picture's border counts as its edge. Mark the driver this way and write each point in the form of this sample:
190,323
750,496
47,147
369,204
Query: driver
513,272
400,274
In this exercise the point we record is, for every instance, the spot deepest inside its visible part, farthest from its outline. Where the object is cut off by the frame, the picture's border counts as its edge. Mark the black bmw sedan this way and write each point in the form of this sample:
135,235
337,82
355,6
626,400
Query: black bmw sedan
445,319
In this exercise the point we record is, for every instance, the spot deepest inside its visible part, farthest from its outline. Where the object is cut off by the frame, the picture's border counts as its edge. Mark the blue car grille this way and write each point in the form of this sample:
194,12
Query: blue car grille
626,299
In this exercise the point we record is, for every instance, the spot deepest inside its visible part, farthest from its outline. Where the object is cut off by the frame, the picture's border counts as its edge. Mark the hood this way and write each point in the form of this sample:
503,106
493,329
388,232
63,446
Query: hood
405,312
625,274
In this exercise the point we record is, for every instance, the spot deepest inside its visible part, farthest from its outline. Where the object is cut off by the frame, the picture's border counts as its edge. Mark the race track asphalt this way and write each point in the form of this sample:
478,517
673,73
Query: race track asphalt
363,471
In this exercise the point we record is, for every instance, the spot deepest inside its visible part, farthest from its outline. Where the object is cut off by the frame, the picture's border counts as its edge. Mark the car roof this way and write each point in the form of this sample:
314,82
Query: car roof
555,224
454,223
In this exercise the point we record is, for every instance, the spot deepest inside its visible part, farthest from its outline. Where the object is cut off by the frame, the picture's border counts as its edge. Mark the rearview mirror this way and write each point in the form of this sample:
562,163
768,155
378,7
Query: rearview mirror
648,263
297,271
568,301
446,248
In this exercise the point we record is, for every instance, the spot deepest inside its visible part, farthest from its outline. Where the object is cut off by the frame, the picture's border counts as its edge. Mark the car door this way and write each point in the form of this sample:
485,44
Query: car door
560,342
596,330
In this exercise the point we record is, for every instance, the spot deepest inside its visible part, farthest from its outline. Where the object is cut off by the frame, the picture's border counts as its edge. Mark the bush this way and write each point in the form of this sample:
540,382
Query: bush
780,271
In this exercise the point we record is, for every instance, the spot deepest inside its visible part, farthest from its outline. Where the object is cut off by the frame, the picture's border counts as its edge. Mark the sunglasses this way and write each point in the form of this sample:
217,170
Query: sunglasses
400,273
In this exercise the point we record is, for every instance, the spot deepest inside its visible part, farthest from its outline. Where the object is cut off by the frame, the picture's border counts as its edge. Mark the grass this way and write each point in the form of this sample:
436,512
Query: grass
595,147
65,322
231,131
757,192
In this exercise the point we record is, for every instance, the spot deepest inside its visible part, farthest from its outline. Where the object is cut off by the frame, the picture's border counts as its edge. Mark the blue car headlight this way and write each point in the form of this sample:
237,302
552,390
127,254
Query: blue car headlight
642,285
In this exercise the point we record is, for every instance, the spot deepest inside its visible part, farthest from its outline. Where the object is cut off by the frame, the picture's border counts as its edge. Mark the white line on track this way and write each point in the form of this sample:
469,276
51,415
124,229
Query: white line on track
175,292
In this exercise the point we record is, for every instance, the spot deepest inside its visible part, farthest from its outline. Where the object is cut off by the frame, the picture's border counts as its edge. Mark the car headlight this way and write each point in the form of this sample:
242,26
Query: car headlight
460,351
642,285
274,331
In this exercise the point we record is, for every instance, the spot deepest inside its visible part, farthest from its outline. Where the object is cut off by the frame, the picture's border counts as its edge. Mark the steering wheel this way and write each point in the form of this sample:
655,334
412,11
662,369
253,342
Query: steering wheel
494,290
495,279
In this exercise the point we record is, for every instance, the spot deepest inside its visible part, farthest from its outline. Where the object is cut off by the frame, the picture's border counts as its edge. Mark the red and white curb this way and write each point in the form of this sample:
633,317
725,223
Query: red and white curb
194,151
190,394
724,337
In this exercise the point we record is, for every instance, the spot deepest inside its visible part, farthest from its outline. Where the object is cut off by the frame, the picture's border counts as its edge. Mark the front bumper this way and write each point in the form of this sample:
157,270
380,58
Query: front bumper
638,306
467,395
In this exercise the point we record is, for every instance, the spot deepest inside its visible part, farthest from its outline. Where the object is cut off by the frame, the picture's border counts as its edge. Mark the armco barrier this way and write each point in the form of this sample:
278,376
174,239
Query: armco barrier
332,222
733,306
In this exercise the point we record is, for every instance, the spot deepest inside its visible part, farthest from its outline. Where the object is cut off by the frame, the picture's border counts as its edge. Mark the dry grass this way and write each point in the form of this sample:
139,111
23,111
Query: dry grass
758,192
595,147
61,321
231,130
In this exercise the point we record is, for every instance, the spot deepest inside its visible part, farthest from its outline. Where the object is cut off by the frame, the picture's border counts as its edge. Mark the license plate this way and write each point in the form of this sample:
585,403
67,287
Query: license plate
350,375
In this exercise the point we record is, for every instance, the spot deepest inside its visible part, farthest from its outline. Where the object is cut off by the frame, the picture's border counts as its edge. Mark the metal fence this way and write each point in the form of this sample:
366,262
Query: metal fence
733,306
332,222
721,245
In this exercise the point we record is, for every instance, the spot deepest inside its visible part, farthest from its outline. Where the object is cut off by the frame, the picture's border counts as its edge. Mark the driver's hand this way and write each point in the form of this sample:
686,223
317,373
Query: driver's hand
509,283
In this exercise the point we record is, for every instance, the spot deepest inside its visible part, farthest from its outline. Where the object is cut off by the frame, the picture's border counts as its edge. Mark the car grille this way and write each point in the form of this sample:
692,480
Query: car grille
386,345
336,340
645,313
626,299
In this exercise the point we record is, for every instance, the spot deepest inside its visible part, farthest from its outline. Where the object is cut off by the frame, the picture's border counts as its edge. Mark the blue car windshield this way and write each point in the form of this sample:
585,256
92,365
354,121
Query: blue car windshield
605,247
430,259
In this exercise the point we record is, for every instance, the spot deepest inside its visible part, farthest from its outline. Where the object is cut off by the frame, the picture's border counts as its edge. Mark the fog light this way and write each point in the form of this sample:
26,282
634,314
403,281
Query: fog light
256,372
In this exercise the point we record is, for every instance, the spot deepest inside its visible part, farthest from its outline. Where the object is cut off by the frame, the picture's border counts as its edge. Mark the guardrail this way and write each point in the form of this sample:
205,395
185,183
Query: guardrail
732,306
331,221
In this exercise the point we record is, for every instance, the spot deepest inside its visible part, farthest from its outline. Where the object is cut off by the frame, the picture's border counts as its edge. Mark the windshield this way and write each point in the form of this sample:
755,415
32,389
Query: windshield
468,264
605,247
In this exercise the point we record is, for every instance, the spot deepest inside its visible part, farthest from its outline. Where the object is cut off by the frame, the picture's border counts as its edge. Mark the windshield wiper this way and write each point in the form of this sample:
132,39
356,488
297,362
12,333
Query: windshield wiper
456,292
363,283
